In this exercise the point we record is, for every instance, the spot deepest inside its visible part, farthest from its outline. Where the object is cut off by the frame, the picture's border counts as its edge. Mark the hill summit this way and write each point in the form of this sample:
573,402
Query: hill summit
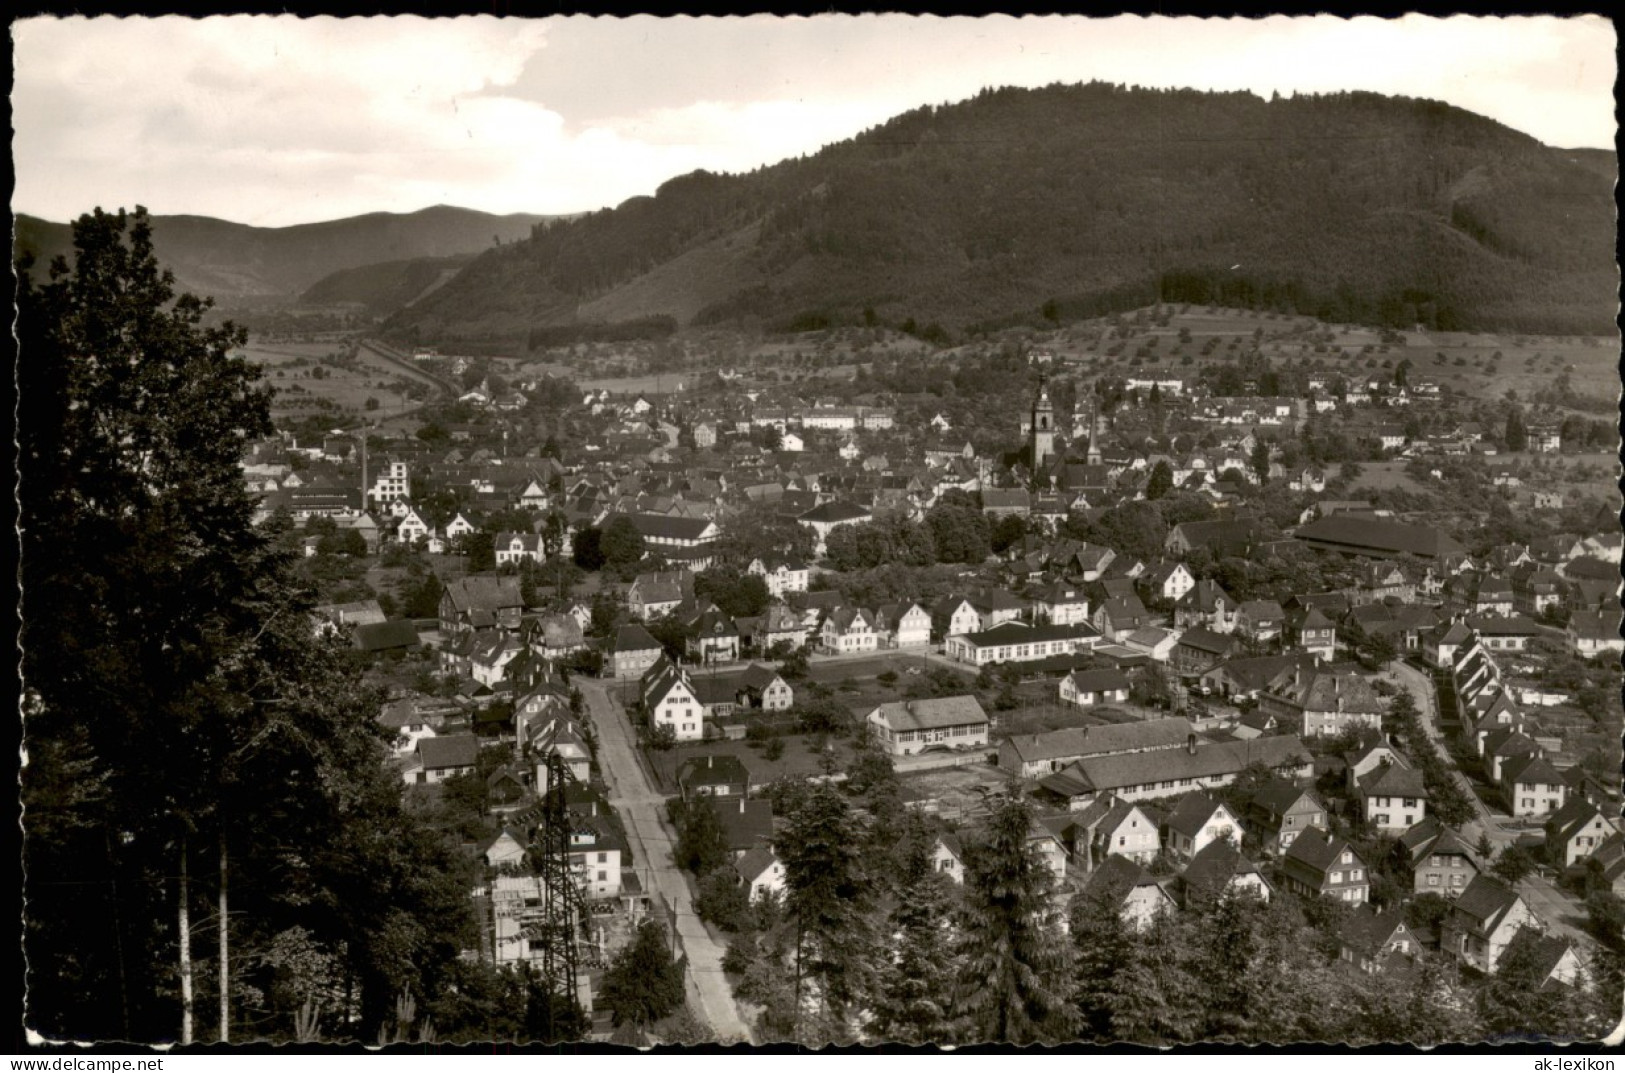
1042,205
232,261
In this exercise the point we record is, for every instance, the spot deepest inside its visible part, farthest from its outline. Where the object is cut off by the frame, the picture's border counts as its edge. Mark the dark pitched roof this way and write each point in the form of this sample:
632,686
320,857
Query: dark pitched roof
382,636
1193,810
1485,901
1317,849
633,638
712,769
938,712
1378,536
453,750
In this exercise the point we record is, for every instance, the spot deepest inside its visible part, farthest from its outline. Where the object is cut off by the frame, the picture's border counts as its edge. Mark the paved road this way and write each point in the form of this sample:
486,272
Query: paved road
1555,909
652,838
1421,689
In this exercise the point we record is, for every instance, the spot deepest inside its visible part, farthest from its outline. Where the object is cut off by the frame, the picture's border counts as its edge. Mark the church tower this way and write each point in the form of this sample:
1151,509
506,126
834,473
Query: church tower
1097,432
1042,428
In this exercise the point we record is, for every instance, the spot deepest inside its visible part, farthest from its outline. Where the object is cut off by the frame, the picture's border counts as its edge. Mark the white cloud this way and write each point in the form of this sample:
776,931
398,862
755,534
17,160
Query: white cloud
277,119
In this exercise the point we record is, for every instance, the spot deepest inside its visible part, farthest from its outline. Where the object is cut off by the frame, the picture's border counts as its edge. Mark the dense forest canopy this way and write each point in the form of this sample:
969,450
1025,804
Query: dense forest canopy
1081,199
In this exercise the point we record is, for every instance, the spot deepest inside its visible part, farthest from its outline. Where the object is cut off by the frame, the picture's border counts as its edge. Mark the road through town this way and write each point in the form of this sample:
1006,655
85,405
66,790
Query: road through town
641,808
1421,689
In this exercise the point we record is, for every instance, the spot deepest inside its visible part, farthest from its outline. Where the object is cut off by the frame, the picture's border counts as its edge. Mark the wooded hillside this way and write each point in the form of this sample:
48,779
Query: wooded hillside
1037,205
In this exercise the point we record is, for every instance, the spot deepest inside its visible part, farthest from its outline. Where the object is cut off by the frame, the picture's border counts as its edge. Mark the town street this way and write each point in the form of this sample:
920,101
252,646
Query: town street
1421,689
1560,912
641,809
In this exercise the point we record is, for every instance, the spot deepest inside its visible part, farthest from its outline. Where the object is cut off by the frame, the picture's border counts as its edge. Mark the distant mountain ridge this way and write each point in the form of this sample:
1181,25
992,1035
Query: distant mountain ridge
1029,205
230,261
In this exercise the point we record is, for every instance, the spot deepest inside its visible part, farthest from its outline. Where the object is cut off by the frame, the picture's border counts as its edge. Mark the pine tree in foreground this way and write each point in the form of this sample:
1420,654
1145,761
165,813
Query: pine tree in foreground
1013,968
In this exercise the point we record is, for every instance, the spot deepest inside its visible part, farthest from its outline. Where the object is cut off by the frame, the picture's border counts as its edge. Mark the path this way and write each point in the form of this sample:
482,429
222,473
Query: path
642,810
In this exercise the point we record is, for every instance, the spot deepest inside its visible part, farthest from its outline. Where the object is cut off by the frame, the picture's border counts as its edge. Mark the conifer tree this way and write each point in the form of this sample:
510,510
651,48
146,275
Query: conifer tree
643,984
914,993
1013,964
829,901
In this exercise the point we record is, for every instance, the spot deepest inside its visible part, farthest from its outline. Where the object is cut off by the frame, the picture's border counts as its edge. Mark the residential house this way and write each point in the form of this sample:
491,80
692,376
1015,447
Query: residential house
1260,620
1088,688
781,575
906,727
596,852
1125,885
1370,938
1320,864
948,857
747,822
1310,630
503,850
1220,869
480,601
1168,581
1592,632
1393,798
1440,859
1108,826
632,651
1061,604
713,775
1196,821
1206,604
1532,786
554,636
1200,649
669,700
654,595
996,606
903,625
956,616
1483,921
518,547
1574,832
761,873
777,626
439,758
1279,811
713,637
1324,702
1118,617
848,629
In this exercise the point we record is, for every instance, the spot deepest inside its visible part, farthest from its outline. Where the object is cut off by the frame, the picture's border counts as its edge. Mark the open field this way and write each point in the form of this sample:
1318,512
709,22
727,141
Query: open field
953,793
799,760
290,369
1381,476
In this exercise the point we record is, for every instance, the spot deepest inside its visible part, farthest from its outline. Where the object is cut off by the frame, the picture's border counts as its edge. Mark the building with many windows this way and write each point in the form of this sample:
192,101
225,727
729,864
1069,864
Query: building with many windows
906,727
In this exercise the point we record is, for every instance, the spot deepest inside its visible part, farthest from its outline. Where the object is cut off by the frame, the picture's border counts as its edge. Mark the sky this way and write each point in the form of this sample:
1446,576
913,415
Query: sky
276,120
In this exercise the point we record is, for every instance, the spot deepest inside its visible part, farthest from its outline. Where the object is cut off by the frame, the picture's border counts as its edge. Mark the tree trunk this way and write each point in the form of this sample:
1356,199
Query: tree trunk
118,937
225,932
185,925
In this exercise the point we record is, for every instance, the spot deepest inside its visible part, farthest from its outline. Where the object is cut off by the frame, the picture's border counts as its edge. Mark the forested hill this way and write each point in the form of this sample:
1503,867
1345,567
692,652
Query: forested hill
1073,199
230,260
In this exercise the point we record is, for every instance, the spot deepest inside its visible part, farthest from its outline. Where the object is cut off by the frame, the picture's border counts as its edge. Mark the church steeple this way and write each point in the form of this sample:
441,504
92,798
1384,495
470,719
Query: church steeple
1097,429
1043,427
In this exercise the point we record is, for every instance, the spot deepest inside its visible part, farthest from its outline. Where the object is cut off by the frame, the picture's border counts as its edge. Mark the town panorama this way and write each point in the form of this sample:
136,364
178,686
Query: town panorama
1192,663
